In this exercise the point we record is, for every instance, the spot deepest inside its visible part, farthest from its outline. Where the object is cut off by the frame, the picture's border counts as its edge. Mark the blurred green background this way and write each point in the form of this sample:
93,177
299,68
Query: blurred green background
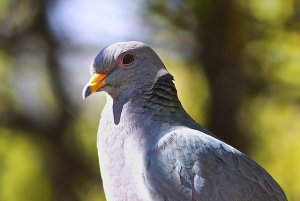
236,65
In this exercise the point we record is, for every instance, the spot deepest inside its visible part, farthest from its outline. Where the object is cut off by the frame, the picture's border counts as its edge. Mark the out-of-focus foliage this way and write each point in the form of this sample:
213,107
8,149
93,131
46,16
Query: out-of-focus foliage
47,147
236,68
276,11
272,116
22,169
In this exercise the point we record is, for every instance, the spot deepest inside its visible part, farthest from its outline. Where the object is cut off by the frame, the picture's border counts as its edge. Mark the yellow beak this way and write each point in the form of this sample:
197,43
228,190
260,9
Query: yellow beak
95,83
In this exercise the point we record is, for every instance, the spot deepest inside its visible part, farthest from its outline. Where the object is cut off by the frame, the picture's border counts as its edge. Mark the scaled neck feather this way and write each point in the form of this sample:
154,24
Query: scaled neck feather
162,97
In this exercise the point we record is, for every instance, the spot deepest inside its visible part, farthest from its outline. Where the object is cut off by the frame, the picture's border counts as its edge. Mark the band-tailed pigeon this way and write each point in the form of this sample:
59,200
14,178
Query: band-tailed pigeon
151,149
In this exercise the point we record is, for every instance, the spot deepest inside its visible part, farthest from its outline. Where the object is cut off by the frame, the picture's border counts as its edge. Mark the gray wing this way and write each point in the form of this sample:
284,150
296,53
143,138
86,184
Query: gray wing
187,164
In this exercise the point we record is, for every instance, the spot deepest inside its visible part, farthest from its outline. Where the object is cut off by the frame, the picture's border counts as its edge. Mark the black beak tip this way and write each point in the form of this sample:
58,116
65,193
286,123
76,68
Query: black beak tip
86,92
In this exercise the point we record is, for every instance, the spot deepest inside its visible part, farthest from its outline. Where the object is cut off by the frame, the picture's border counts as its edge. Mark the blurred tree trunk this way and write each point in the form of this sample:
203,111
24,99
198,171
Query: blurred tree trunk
220,36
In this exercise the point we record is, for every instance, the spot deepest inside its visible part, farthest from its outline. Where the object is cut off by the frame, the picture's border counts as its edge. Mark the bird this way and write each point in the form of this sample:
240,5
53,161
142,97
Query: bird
150,148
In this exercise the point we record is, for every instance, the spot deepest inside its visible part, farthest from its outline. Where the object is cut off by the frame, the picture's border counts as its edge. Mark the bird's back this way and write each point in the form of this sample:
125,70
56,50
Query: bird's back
187,164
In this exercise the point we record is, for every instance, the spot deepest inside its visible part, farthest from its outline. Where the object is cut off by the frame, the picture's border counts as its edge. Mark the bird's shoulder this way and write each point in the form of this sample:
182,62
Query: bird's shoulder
191,164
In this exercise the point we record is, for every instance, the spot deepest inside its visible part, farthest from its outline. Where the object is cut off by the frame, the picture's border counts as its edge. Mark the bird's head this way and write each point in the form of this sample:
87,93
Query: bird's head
123,68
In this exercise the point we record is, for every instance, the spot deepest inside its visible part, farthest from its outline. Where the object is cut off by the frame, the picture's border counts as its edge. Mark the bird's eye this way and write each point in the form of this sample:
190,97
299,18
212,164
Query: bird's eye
128,59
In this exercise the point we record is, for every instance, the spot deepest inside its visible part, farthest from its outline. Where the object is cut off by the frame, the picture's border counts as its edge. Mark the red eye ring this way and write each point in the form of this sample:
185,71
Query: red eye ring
128,59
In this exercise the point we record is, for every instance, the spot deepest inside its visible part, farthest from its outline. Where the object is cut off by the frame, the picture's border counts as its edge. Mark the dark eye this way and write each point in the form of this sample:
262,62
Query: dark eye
128,59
